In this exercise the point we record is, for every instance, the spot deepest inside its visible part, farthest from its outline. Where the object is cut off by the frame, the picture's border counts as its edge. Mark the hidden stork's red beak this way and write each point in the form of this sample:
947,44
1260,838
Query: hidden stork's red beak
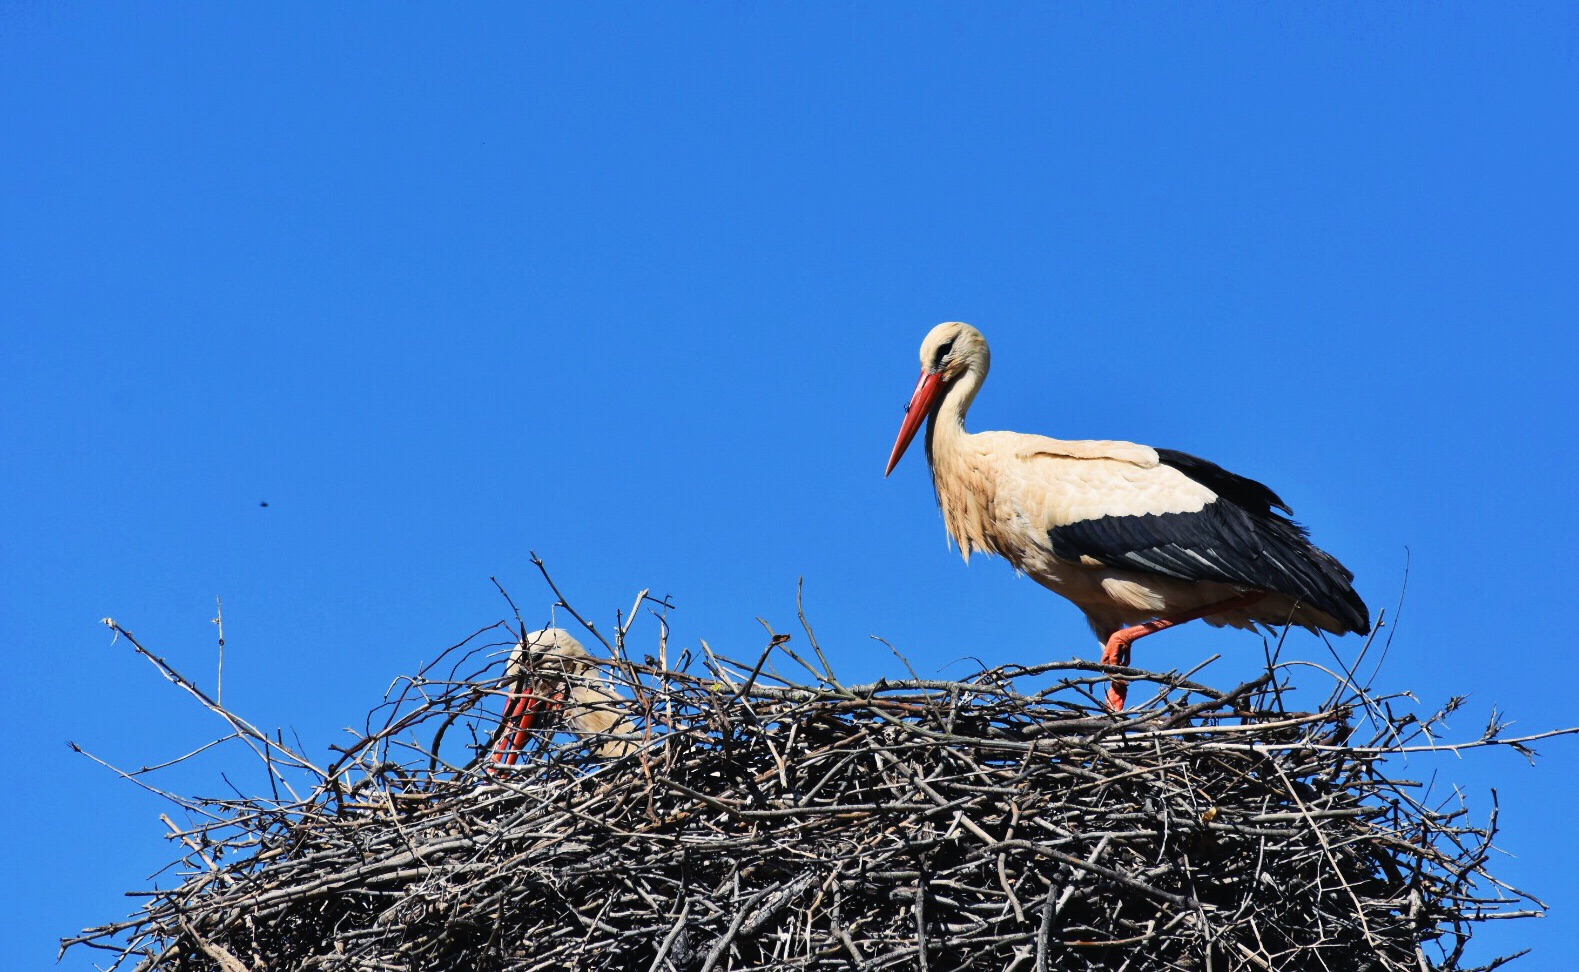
927,390
521,716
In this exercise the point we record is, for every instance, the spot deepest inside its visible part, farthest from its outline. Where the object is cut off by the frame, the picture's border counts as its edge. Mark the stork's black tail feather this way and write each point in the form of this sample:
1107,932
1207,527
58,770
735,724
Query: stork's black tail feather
1321,581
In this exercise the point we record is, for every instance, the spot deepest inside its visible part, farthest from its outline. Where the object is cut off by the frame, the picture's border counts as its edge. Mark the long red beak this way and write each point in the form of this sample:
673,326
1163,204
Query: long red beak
519,717
927,389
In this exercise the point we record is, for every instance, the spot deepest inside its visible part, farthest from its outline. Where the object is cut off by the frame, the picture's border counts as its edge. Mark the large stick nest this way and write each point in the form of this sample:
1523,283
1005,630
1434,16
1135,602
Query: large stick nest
1001,821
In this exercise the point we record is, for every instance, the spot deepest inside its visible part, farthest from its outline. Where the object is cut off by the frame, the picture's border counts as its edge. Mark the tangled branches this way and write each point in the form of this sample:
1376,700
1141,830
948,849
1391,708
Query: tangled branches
1003,822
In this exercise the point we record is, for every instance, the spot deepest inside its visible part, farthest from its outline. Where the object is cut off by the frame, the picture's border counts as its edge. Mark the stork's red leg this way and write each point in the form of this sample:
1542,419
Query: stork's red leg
1117,650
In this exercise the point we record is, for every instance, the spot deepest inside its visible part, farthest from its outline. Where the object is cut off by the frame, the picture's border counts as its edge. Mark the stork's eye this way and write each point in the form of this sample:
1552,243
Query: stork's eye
943,353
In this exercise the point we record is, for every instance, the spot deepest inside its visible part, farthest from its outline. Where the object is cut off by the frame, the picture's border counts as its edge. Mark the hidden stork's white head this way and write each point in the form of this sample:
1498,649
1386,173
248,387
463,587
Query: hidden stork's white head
551,651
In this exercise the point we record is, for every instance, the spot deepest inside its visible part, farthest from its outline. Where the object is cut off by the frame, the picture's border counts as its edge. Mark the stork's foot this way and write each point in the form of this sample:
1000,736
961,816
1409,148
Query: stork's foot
1117,650
1117,653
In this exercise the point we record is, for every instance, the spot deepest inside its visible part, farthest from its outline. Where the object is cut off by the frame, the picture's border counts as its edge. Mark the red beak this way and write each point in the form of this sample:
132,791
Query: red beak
927,390
519,717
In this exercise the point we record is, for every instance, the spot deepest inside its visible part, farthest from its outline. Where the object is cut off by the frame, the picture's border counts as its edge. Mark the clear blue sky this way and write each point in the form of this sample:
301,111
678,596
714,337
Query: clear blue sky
642,291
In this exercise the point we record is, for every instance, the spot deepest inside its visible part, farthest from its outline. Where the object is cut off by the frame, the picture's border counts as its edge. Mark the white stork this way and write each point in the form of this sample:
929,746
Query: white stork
549,667
1140,539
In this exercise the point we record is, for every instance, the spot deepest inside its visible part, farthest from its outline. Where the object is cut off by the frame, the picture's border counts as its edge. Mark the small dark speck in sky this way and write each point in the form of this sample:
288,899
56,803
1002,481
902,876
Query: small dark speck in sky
264,503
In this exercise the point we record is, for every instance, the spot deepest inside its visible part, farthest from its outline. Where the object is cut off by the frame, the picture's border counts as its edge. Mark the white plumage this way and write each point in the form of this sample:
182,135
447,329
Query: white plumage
555,670
1127,532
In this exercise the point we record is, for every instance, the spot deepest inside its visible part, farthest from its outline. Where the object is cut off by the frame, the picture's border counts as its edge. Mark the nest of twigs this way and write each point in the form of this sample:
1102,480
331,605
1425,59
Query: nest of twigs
1002,821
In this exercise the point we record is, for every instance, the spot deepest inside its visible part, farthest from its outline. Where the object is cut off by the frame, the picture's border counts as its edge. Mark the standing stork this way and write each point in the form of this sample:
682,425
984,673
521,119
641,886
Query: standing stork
1140,539
552,667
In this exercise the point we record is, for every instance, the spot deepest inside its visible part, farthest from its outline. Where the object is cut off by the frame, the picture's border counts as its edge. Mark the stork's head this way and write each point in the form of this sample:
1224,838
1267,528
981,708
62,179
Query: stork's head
949,351
551,651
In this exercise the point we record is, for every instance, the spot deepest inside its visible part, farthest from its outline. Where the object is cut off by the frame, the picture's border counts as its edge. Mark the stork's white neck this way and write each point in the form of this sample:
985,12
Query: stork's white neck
964,489
947,424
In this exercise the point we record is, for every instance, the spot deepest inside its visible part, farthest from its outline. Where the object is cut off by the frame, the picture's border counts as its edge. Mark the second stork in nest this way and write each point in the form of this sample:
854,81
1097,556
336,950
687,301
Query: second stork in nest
552,675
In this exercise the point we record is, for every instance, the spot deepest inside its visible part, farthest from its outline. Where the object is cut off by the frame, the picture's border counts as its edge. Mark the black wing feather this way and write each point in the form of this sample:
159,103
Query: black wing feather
1242,490
1237,539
